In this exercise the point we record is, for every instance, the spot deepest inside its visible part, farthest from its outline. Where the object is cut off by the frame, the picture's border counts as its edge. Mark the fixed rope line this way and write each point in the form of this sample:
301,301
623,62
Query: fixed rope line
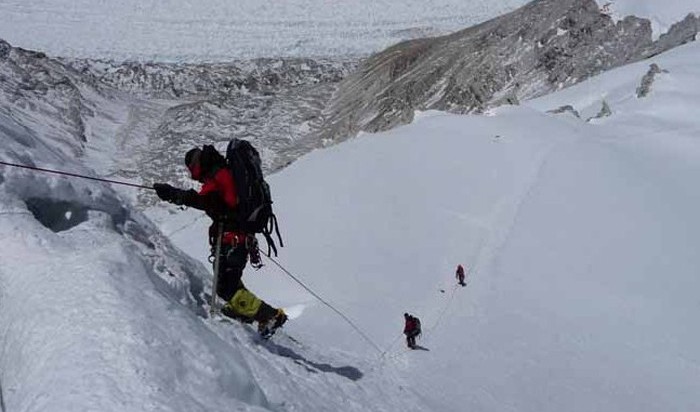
444,309
19,213
58,172
391,345
351,323
185,226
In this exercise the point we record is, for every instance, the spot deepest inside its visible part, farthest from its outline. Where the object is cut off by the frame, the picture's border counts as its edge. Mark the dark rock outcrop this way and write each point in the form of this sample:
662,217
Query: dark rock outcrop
565,109
648,79
682,32
604,111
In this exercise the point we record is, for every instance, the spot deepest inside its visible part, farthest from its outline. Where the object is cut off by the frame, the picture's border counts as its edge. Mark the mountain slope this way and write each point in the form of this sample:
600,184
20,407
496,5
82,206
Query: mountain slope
577,232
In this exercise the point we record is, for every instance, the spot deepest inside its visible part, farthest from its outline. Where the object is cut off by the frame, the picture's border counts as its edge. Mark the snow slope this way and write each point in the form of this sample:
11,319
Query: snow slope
98,311
578,238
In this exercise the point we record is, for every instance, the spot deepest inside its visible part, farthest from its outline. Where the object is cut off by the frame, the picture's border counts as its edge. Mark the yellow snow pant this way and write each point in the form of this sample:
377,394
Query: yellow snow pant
245,303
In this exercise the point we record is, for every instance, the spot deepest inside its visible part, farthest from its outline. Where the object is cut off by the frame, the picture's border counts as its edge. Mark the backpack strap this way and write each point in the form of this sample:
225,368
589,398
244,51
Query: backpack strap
271,226
277,229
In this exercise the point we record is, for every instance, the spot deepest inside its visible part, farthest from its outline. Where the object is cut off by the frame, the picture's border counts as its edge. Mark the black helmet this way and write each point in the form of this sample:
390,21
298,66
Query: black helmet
192,156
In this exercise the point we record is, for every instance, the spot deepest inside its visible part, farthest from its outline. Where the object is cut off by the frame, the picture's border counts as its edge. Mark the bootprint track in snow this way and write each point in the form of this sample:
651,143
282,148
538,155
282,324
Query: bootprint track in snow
491,243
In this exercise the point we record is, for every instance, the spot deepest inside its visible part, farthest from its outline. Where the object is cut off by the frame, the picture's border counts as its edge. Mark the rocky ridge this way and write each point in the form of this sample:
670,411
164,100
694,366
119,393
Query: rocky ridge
542,47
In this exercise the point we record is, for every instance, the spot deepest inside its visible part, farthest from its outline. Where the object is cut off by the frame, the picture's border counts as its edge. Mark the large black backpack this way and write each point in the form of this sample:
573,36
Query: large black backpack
254,211
419,331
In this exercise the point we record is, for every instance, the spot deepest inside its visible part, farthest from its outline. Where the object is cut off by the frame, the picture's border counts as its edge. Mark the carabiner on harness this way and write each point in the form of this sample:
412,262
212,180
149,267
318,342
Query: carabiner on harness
251,244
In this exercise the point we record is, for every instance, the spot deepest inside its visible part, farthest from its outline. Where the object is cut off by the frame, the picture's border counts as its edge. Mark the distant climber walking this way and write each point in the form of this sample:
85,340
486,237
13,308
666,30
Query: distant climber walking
411,329
219,199
460,275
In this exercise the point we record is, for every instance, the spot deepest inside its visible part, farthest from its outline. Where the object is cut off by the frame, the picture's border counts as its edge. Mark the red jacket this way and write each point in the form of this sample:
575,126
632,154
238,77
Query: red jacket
218,198
410,325
223,183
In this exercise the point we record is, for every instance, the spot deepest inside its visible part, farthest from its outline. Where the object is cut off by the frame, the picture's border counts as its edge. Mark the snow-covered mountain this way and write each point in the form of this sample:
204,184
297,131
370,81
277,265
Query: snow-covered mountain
134,119
578,238
574,215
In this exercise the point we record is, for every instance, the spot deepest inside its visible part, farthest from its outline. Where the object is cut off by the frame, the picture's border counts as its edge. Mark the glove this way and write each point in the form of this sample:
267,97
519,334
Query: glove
165,191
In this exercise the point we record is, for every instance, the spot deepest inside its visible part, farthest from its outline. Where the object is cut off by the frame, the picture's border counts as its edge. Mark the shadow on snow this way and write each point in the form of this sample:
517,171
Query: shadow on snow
349,372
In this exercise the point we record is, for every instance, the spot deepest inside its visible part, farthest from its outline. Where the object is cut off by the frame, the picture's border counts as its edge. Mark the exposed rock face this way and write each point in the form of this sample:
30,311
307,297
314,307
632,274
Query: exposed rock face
680,33
565,109
604,111
539,48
